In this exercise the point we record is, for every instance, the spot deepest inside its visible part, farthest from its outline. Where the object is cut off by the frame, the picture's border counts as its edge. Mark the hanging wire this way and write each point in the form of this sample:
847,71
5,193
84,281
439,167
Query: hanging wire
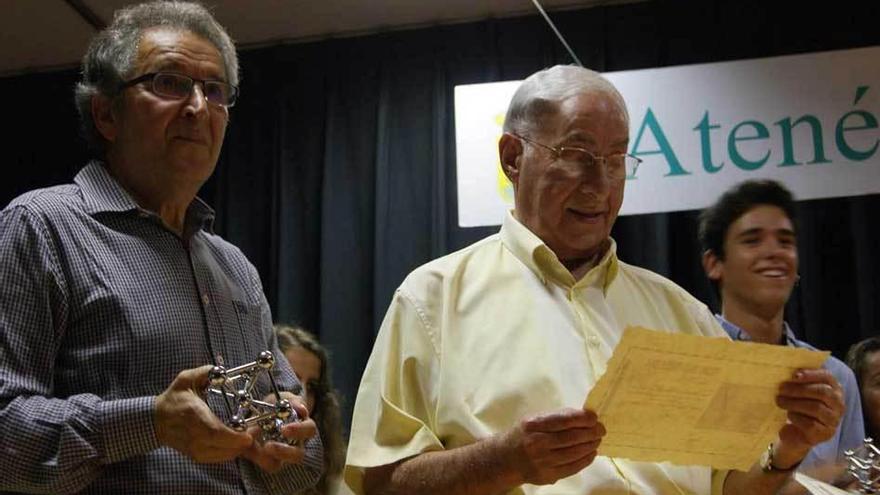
558,34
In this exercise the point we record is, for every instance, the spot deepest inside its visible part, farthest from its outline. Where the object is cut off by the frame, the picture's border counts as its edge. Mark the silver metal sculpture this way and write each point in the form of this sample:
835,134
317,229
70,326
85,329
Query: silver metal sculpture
864,466
236,386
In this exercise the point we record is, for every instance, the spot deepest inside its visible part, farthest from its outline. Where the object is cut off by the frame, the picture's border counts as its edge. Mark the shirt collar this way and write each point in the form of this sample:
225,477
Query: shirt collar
543,262
199,216
737,333
102,194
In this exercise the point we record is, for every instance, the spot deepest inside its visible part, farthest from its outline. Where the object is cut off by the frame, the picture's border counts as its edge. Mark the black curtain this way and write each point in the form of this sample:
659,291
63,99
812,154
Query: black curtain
338,173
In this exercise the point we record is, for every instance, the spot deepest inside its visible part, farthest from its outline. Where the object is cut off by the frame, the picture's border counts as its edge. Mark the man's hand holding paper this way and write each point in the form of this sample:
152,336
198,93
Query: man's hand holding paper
696,400
554,445
814,404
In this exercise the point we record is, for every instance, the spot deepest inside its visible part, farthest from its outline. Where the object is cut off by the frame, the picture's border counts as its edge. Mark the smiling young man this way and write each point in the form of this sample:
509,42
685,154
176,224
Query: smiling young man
750,254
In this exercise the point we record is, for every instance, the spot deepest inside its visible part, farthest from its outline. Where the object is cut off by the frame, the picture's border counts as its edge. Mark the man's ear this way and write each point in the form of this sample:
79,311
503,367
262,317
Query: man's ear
713,265
105,117
510,149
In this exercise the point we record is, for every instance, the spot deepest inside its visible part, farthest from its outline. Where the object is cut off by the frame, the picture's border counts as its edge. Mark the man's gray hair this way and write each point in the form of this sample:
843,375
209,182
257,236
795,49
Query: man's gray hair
542,92
112,53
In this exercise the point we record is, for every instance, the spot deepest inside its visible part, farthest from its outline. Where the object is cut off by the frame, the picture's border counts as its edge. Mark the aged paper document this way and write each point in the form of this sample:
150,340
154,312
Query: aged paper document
689,399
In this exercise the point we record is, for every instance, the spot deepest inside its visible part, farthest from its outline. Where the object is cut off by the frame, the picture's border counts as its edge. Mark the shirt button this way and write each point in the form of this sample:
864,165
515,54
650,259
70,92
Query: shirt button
206,299
593,341
219,359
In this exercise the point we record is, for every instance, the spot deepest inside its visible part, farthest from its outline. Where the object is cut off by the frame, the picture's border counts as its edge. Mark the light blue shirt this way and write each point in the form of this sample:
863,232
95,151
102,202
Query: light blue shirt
851,432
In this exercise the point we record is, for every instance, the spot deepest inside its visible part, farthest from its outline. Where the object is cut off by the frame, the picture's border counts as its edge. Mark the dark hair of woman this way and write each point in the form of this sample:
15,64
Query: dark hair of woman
326,410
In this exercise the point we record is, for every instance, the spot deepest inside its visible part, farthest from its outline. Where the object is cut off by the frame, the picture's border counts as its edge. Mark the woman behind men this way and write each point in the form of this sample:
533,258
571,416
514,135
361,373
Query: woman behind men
864,359
308,358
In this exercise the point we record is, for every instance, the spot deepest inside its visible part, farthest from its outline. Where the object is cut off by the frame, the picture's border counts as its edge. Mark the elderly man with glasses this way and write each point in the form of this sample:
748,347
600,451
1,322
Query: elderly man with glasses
485,357
116,297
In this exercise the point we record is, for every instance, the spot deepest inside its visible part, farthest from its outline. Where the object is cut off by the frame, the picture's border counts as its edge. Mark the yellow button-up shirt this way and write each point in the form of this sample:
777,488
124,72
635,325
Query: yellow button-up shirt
478,339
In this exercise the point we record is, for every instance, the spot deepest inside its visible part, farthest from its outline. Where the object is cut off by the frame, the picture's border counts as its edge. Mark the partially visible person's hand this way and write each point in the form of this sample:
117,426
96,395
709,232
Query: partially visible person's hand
185,423
273,456
551,446
814,402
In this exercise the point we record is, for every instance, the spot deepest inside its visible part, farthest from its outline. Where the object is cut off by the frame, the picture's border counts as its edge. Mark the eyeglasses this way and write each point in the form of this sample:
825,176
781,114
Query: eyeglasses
617,166
179,87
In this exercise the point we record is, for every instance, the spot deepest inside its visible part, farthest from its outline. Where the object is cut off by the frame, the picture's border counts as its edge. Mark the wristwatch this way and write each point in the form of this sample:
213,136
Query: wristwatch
767,466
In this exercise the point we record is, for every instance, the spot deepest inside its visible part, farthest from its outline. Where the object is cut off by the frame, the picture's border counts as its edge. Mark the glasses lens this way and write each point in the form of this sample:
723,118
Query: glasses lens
621,166
219,93
577,156
616,166
632,165
173,85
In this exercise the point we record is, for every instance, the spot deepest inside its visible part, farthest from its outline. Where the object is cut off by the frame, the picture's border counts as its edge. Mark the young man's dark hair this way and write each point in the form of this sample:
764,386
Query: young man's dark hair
716,220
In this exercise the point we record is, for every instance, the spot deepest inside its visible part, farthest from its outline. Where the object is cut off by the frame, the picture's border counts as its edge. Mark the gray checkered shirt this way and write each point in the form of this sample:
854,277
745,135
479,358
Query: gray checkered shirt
100,307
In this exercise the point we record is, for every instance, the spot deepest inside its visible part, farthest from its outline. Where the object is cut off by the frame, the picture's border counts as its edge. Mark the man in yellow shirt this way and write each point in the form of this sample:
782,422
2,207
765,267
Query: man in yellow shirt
486,355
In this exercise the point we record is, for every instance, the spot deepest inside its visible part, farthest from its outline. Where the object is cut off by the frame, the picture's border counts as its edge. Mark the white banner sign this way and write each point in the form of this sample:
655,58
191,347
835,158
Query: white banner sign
809,121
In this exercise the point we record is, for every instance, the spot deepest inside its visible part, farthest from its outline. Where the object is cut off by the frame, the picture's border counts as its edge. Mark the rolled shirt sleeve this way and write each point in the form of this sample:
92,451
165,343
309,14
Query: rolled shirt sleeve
394,412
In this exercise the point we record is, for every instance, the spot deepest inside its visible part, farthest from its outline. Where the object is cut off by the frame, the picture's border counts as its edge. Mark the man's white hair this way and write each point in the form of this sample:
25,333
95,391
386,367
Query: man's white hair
541,94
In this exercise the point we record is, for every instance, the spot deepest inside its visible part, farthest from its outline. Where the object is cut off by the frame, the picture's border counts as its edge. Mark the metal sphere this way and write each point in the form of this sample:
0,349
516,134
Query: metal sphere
217,376
266,360
237,423
283,409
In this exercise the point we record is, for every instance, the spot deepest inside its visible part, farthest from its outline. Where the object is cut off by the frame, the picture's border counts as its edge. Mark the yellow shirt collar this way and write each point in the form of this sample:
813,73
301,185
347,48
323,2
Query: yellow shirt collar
543,262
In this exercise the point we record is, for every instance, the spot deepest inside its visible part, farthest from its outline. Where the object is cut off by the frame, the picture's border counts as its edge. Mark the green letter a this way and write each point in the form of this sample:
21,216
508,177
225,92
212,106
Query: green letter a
651,121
